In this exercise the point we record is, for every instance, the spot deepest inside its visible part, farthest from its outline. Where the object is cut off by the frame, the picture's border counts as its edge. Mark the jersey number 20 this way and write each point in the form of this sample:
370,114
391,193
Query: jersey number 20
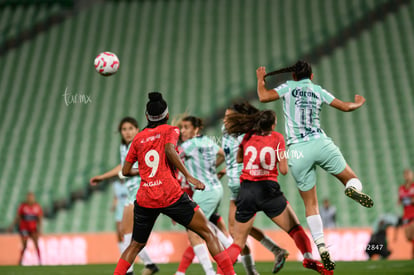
262,157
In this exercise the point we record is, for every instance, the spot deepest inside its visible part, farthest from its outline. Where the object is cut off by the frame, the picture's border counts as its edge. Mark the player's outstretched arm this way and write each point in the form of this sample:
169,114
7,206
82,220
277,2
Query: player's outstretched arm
264,94
111,173
348,106
175,160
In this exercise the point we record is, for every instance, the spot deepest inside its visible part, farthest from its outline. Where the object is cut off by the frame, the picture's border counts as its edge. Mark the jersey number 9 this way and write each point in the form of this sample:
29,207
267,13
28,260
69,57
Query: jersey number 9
152,160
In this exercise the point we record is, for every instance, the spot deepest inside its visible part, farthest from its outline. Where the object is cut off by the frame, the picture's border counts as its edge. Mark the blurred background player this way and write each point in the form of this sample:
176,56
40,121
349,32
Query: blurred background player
406,198
233,170
128,128
118,204
262,151
328,214
155,149
29,219
202,156
302,103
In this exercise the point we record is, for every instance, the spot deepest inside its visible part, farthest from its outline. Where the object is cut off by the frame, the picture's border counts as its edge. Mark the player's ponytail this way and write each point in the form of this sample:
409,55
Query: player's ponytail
265,121
244,108
256,123
301,69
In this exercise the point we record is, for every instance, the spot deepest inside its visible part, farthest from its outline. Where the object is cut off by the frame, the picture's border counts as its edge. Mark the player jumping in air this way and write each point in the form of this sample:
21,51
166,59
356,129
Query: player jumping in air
302,103
261,152
128,128
233,171
29,219
155,150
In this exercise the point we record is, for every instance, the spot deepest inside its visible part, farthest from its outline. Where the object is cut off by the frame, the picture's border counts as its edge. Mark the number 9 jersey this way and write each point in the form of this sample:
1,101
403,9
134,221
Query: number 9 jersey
159,185
261,155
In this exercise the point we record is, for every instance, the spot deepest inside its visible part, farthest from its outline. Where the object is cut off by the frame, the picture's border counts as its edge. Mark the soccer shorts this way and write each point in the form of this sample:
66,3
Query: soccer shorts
234,186
209,200
258,196
119,211
132,193
304,156
27,228
182,211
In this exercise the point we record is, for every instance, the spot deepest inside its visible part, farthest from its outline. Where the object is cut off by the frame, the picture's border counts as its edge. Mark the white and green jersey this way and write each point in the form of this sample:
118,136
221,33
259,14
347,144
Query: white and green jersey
231,146
132,183
302,103
200,155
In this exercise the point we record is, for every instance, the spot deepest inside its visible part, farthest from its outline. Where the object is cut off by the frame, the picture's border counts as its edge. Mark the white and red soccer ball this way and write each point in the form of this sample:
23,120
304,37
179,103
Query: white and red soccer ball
106,63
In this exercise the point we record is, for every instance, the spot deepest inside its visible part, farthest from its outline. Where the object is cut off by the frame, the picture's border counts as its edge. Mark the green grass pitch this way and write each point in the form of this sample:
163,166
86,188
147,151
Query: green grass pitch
354,268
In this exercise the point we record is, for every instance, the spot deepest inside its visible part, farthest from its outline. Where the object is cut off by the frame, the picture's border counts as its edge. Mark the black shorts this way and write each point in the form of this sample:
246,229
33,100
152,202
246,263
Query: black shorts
255,196
182,211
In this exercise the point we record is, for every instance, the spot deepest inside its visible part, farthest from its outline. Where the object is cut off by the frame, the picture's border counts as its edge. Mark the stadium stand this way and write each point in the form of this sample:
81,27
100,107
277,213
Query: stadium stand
201,55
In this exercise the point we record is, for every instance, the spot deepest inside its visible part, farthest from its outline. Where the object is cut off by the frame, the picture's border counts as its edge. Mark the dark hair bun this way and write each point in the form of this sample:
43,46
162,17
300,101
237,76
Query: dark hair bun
155,96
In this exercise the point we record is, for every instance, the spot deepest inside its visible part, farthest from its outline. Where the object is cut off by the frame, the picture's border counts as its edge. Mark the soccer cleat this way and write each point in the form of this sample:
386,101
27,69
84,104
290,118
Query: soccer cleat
150,269
327,261
359,197
317,266
280,258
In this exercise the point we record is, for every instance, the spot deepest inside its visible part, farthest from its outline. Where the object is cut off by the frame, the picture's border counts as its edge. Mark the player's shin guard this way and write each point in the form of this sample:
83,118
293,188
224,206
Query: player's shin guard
203,256
121,267
121,247
226,241
233,251
145,257
224,262
248,263
186,260
270,244
301,240
316,229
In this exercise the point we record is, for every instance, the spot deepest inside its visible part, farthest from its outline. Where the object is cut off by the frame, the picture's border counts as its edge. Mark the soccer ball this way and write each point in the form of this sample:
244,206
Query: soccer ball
106,63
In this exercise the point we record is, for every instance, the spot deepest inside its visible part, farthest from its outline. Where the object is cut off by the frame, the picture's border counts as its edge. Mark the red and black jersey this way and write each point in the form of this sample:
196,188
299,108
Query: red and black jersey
261,155
29,215
159,185
406,196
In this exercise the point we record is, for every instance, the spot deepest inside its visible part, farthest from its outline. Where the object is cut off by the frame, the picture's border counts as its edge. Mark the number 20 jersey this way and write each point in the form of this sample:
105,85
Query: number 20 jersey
261,155
159,185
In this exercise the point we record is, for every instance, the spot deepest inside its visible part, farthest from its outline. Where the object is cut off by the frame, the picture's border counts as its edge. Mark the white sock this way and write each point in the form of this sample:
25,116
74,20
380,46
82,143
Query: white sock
145,257
248,263
307,255
127,241
226,241
121,247
270,244
316,229
179,273
203,256
356,183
